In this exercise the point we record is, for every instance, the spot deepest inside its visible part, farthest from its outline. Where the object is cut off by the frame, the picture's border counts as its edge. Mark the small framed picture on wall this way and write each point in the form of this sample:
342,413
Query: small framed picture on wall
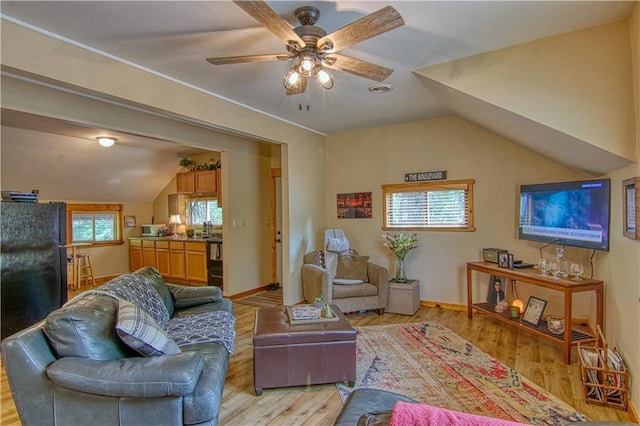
129,221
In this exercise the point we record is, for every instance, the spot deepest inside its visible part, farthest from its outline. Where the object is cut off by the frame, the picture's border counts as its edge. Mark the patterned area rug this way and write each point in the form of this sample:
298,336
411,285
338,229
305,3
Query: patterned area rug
431,364
264,299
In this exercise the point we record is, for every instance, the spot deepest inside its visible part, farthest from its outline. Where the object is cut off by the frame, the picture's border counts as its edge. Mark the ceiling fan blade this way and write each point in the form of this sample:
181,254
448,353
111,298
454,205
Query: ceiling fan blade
385,19
300,88
248,58
261,12
358,67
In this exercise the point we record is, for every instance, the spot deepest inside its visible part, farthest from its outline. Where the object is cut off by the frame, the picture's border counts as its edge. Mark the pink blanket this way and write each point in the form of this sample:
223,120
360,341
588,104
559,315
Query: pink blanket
409,414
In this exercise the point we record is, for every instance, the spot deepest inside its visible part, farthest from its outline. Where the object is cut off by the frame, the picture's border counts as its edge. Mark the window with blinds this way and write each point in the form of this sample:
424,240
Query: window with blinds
98,224
429,206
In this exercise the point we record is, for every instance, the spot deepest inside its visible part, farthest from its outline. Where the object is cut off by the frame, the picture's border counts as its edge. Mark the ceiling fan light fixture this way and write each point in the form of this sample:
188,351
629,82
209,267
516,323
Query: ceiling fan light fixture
106,141
307,66
291,79
324,79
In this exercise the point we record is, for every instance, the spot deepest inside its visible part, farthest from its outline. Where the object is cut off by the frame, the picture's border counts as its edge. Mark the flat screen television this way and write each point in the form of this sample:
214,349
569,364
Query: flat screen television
566,213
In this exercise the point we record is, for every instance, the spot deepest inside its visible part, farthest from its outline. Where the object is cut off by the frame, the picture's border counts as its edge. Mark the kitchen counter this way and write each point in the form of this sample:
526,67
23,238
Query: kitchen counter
204,240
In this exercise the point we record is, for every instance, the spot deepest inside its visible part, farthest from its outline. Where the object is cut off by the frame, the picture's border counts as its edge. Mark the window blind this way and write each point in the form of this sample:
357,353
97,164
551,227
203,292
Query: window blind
429,205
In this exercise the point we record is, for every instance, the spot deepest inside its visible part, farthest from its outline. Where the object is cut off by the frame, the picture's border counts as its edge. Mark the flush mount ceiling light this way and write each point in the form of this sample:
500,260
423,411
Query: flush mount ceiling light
312,49
105,141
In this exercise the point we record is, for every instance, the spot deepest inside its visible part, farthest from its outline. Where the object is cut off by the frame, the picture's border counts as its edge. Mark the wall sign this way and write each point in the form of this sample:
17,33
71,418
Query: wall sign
425,176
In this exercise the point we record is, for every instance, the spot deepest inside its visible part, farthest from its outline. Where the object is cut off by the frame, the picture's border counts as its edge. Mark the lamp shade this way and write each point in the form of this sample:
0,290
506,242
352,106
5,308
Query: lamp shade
174,219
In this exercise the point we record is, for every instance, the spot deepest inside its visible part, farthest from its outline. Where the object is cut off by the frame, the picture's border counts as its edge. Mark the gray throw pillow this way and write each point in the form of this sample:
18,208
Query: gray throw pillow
142,333
352,267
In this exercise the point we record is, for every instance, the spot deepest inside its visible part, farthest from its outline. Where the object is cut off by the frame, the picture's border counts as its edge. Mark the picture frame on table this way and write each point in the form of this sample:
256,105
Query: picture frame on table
497,289
503,259
535,309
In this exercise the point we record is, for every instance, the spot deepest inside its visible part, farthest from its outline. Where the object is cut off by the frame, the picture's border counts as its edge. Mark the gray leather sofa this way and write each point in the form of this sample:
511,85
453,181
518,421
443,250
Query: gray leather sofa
74,368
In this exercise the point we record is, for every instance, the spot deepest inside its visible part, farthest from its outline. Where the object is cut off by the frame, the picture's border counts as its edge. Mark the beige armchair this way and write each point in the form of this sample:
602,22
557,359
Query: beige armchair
343,277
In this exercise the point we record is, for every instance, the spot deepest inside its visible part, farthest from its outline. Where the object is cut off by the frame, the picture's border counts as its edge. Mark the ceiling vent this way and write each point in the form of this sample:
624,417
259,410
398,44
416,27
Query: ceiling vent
381,88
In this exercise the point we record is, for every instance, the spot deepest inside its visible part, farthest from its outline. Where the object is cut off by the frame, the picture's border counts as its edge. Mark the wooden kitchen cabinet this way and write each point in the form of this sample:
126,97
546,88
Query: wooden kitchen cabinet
162,258
186,183
183,261
176,254
195,256
206,181
198,182
148,253
219,186
135,255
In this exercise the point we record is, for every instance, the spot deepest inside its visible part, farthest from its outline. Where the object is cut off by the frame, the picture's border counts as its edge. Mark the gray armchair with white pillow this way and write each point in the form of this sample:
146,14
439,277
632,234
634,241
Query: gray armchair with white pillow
343,277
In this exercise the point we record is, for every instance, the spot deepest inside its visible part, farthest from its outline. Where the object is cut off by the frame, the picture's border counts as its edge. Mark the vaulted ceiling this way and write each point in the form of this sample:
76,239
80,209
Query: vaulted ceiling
434,57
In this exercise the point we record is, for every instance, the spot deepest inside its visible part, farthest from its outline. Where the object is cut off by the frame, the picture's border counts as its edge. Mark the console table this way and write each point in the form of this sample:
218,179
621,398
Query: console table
532,277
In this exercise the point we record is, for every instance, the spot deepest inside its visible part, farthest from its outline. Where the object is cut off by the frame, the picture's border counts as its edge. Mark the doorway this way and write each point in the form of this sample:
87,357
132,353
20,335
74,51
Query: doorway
276,225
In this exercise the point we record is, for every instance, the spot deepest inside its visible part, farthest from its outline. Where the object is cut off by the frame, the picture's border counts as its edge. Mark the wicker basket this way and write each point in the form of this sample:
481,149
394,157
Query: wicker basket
604,376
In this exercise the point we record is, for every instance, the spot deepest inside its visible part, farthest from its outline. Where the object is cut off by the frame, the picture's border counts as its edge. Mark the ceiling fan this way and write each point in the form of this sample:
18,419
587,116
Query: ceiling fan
313,49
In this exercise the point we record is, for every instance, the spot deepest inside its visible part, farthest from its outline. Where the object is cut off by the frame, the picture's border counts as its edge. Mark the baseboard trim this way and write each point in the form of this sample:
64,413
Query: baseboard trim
633,413
248,292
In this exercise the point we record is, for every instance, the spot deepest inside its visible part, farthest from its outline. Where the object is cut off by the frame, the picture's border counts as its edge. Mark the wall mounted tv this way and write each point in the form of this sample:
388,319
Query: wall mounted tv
566,213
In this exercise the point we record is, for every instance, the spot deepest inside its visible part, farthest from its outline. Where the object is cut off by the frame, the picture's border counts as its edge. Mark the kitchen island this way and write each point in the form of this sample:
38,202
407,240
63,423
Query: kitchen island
179,260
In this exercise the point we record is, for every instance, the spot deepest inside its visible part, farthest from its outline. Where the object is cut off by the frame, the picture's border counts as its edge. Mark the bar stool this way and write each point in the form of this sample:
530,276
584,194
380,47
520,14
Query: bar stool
84,270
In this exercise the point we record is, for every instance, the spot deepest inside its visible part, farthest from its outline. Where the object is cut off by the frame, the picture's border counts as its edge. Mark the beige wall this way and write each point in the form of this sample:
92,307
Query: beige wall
622,269
537,80
109,261
87,72
365,160
362,161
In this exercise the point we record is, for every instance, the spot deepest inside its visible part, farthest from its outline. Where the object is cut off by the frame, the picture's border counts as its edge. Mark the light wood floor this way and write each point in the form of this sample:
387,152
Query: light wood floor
534,358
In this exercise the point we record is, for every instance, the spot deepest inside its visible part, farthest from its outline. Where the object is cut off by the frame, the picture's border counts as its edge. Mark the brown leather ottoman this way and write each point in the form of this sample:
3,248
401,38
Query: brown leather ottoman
301,354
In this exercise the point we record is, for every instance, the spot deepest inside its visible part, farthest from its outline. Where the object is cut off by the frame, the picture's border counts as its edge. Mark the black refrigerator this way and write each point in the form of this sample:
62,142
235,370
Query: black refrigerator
33,279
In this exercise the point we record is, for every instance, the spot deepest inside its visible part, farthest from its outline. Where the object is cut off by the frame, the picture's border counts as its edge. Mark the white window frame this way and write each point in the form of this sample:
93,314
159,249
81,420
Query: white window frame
465,185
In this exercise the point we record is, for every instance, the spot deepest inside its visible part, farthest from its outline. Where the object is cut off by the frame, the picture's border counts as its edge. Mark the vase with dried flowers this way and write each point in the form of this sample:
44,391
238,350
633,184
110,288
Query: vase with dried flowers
401,243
